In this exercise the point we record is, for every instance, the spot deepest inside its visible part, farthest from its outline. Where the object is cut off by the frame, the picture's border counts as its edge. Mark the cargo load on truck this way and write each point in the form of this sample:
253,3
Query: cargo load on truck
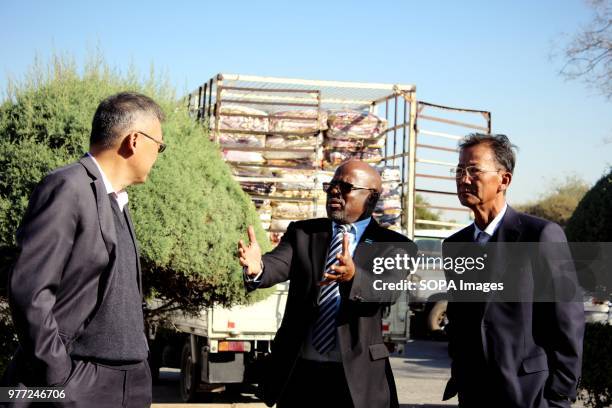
283,138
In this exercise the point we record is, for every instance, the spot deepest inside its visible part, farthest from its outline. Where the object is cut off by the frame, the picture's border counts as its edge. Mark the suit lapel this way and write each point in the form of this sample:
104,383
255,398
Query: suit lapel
319,244
105,212
508,231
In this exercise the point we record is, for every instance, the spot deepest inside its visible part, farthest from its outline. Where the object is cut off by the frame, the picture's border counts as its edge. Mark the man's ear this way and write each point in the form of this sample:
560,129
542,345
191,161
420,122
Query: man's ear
506,180
373,199
127,146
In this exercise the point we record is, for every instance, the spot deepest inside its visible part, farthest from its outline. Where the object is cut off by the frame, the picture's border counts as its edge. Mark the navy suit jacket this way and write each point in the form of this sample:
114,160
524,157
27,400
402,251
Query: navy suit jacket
527,349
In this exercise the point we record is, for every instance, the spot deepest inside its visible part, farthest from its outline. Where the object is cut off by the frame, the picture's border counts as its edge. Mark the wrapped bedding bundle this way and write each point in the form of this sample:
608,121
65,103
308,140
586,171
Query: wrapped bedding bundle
262,205
297,193
242,140
388,210
354,144
279,225
307,121
243,124
305,163
350,124
391,179
293,142
257,187
237,156
250,171
265,217
299,179
333,158
292,210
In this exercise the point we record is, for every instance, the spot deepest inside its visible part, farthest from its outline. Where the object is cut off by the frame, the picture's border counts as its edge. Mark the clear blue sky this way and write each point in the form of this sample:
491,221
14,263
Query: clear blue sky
479,54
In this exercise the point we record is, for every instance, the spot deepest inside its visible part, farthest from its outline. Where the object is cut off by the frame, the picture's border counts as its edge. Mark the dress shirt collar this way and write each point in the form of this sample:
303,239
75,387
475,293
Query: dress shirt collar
357,228
121,196
493,225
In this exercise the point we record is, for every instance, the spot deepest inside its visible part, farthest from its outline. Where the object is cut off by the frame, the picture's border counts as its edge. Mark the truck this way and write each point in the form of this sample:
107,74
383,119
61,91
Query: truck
273,132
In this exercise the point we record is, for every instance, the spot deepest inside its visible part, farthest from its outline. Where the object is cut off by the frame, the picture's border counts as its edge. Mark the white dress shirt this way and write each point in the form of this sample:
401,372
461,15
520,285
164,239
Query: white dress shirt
120,196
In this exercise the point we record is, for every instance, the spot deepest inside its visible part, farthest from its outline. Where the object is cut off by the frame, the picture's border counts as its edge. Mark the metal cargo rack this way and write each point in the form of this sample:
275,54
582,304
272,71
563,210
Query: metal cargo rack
406,134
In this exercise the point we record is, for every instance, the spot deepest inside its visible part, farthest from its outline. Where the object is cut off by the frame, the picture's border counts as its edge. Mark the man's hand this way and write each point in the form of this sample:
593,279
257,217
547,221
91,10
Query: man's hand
250,255
344,270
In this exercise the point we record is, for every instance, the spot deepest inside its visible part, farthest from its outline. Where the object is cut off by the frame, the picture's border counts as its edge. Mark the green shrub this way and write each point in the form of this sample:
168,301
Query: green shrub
596,382
559,202
592,220
188,216
8,339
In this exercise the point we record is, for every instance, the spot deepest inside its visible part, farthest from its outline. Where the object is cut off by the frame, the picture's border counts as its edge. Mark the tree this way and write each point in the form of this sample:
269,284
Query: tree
188,217
592,220
424,213
588,55
559,202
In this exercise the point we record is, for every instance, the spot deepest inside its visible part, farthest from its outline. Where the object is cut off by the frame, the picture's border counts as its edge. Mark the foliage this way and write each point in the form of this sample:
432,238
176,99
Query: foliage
188,216
588,55
423,213
8,339
596,382
559,202
592,219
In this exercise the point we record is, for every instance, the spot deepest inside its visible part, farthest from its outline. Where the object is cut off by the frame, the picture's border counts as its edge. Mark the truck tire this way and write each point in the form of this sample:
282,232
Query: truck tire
436,319
190,375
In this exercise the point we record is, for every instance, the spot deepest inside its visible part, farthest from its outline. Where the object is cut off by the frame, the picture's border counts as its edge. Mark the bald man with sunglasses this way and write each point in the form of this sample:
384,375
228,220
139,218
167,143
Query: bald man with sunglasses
329,350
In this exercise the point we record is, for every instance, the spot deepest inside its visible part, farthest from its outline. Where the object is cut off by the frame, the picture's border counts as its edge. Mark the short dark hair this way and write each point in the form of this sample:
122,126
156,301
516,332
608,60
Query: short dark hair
116,114
500,144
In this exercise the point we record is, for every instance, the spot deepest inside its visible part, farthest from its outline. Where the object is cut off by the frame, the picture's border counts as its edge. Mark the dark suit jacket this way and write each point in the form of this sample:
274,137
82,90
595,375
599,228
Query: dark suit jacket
67,243
300,258
526,349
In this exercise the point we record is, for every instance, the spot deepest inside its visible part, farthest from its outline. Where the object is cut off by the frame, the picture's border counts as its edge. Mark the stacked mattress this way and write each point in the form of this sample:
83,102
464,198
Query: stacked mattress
388,211
289,154
353,134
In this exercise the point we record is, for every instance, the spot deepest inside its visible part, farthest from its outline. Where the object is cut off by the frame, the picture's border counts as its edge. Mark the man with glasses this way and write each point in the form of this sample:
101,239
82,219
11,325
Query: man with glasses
75,290
523,348
329,350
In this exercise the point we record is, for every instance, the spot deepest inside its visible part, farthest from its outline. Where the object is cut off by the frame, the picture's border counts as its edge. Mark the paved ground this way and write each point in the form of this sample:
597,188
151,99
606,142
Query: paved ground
420,375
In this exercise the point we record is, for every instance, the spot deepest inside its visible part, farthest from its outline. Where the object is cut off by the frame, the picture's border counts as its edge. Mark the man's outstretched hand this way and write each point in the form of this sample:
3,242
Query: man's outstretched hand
344,270
250,255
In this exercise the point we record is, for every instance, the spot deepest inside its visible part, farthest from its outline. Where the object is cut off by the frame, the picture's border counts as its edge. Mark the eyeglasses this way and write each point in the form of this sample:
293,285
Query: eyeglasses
471,171
162,145
344,187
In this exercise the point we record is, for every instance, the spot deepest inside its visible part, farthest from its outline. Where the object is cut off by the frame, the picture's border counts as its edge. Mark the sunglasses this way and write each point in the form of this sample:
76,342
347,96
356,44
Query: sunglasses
162,145
344,187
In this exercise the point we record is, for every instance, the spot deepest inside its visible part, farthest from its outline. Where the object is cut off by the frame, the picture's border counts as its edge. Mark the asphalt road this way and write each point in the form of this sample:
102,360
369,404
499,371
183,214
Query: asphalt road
420,376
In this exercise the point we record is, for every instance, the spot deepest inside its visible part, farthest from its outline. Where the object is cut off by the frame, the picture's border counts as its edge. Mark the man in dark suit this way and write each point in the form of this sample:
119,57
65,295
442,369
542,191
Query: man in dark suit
523,347
329,350
75,290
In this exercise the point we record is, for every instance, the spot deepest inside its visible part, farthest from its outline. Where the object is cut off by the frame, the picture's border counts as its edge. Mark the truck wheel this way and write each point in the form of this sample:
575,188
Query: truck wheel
190,375
436,319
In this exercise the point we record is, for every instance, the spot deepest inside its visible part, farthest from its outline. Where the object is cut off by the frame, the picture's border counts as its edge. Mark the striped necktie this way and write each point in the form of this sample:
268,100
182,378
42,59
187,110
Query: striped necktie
324,331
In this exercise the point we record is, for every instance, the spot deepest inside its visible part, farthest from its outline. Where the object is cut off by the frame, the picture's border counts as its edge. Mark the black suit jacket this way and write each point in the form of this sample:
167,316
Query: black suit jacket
67,243
300,258
517,353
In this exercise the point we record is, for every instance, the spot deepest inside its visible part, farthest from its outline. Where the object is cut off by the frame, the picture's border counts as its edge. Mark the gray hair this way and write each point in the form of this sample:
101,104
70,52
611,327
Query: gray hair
116,114
499,144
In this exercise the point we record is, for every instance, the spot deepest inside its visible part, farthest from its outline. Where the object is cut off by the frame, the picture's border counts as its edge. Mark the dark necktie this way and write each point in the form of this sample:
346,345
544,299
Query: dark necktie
482,238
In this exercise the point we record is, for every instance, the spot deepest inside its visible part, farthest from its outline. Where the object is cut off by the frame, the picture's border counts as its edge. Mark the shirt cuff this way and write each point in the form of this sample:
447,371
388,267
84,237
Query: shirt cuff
256,278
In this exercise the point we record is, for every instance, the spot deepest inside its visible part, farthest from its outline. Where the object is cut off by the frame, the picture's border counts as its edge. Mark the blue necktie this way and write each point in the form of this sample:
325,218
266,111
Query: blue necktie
482,238
324,331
